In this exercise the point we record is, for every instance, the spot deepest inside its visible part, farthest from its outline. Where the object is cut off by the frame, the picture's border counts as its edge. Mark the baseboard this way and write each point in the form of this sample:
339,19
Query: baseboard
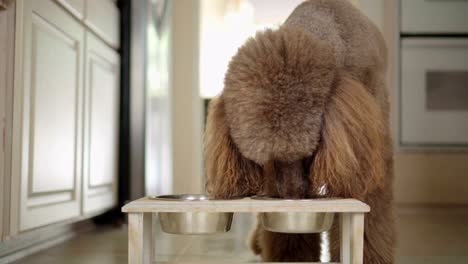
31,242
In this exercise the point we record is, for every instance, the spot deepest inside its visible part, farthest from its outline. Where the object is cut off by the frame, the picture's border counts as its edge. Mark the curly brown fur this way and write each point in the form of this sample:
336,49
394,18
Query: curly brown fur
349,161
354,160
303,107
229,174
291,69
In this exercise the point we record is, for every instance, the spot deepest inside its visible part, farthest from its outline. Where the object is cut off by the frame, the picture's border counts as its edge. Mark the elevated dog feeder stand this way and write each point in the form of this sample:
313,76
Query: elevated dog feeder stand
140,214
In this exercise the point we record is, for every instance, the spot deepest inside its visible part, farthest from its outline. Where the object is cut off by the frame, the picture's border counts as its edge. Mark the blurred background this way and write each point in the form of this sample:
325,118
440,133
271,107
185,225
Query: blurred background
103,102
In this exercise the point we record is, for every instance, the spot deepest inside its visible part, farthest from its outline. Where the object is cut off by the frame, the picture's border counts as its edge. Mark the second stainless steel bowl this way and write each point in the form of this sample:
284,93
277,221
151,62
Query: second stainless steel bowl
193,222
294,222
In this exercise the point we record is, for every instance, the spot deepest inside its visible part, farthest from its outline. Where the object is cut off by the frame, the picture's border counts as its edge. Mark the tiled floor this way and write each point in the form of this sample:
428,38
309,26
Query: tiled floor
427,238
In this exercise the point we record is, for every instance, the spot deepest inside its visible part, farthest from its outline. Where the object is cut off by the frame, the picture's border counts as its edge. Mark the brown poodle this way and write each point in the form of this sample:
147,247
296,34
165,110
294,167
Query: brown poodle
304,108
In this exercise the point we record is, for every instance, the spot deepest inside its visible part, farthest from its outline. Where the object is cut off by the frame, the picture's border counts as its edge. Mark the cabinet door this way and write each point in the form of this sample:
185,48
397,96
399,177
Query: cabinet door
48,103
101,126
76,7
102,17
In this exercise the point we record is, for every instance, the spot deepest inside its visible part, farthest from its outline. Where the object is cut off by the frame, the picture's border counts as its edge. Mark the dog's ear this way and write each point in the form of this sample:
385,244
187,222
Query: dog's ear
349,159
229,174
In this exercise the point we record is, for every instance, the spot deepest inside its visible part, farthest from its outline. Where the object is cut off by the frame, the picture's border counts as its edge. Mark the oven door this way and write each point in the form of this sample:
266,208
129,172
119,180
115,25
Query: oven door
434,92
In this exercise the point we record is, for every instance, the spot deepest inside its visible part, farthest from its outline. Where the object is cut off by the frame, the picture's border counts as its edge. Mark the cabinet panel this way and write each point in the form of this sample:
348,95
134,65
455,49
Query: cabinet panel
102,16
51,90
101,139
76,7
53,108
103,120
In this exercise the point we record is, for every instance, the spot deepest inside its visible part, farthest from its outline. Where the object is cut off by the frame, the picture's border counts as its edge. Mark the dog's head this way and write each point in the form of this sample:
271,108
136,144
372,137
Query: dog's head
285,99
275,93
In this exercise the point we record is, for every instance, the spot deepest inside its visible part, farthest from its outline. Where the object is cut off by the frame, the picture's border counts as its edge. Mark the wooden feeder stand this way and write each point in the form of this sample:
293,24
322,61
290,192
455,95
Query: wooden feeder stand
140,213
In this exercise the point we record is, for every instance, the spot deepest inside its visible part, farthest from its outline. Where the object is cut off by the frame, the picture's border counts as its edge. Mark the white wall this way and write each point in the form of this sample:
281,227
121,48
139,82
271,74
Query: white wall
374,9
159,154
174,106
186,101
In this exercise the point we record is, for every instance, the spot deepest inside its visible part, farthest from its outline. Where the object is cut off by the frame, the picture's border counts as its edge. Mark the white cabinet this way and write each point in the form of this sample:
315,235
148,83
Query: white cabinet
76,7
102,16
65,116
101,138
50,91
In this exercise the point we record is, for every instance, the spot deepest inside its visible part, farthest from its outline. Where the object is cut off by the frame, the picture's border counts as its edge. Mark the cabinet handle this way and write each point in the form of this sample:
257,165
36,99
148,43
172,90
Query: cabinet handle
5,3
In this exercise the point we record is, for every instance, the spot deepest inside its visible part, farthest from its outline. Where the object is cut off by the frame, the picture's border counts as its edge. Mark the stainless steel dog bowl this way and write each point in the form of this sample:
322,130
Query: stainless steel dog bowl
294,222
193,222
